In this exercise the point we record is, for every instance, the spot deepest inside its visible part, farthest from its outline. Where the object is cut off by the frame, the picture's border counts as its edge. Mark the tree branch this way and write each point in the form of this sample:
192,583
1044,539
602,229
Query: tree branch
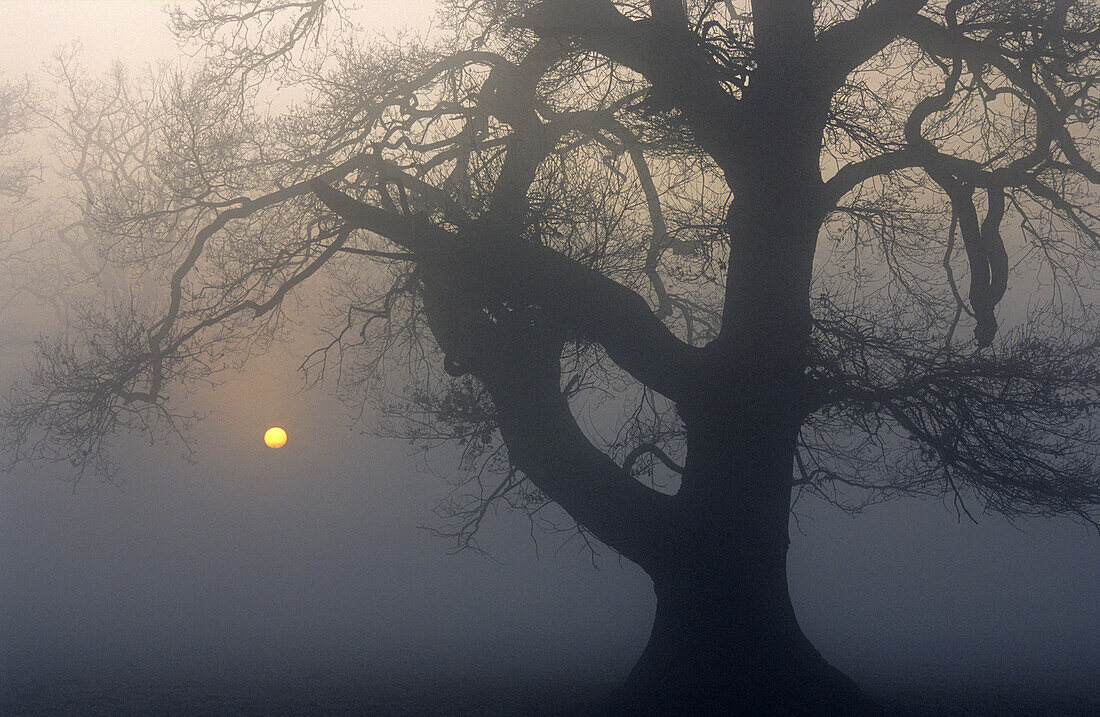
669,12
496,270
654,450
665,54
852,175
943,42
516,355
544,440
844,47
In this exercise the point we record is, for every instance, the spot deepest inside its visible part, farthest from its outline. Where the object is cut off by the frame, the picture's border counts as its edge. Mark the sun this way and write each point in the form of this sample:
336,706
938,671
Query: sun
275,437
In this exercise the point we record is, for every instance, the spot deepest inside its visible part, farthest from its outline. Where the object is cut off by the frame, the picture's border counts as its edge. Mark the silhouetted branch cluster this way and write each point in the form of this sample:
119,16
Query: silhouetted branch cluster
897,412
17,112
83,393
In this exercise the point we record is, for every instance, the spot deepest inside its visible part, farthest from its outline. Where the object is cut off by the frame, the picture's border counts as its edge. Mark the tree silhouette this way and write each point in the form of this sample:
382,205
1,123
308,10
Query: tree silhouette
739,229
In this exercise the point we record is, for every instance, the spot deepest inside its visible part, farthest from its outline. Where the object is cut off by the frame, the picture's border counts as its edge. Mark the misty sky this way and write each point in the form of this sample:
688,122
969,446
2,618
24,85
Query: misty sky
313,552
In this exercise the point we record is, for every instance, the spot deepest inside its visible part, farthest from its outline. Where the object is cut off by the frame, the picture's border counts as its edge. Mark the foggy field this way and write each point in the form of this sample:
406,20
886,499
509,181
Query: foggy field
486,693
491,682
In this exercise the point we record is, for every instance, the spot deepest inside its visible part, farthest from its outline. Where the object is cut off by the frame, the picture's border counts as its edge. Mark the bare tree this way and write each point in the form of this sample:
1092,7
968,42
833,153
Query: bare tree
17,112
740,229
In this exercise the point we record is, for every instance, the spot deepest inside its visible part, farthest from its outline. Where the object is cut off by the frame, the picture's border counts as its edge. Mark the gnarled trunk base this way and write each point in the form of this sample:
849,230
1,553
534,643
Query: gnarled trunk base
726,643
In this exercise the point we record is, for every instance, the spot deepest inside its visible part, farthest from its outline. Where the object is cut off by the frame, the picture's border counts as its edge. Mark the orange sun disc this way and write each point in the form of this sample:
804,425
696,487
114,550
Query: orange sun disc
275,437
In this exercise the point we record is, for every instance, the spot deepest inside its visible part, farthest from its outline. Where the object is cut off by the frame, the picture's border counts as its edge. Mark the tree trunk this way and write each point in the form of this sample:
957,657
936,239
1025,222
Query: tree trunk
725,638
725,641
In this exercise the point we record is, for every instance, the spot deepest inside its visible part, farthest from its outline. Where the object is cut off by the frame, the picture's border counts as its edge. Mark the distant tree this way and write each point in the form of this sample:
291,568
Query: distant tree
17,104
20,172
740,230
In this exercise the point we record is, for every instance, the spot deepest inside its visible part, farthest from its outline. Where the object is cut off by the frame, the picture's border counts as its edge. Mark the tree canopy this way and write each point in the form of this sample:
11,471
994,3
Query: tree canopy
606,135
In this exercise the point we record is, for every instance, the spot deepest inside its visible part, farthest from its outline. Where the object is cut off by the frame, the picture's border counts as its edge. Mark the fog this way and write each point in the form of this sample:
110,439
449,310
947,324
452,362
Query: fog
315,557
310,558
312,555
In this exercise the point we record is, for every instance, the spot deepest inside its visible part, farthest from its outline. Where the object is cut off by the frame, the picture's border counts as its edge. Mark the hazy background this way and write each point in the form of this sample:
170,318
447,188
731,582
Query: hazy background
309,561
